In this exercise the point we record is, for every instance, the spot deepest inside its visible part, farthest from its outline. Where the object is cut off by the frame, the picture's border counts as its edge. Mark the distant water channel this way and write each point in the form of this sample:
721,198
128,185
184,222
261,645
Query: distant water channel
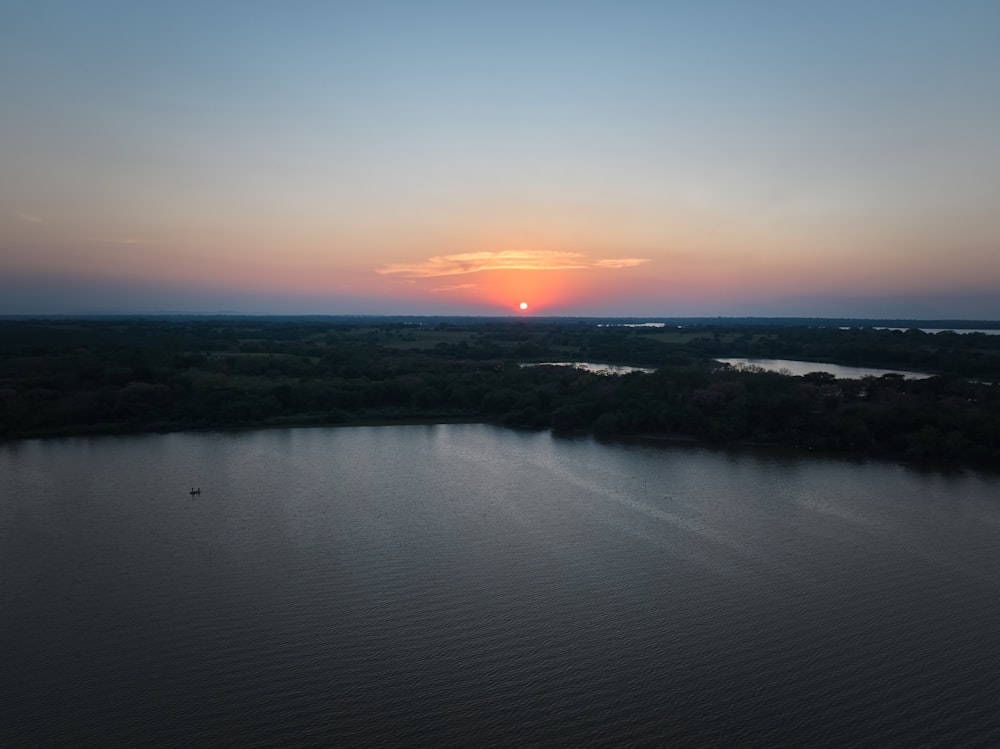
592,367
798,368
470,585
960,331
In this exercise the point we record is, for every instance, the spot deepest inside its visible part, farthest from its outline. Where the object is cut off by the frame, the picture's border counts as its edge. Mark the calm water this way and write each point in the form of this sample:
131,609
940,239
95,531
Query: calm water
960,331
467,585
799,368
593,367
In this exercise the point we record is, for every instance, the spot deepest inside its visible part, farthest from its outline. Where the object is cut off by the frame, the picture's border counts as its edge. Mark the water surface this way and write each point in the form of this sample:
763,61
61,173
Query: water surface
960,331
469,585
799,368
592,367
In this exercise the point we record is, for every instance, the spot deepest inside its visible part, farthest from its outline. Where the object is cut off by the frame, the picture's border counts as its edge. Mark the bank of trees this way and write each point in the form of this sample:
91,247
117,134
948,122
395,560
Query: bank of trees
88,376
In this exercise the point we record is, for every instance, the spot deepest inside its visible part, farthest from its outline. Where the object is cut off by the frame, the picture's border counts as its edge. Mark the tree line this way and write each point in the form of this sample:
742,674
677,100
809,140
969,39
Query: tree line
90,376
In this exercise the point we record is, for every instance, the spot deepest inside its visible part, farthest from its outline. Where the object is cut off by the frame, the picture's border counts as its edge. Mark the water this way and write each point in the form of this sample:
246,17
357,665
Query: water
935,331
468,585
636,325
594,368
798,368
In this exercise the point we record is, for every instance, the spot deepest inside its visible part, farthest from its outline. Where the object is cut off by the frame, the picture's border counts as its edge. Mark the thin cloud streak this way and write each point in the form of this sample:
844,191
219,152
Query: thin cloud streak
474,262
624,262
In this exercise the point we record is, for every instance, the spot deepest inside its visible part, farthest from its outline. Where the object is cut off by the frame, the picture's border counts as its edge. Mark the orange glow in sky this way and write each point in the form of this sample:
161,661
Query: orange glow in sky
542,291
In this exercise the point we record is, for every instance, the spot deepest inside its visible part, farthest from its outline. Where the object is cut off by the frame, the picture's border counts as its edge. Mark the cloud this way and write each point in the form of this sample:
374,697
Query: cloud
621,262
473,262
31,218
456,287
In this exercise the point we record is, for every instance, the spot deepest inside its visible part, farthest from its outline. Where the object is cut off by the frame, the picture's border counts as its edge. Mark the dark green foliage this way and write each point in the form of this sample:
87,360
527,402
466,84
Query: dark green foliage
116,375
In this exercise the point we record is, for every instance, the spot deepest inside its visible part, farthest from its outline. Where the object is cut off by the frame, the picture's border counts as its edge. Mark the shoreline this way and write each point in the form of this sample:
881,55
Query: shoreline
942,466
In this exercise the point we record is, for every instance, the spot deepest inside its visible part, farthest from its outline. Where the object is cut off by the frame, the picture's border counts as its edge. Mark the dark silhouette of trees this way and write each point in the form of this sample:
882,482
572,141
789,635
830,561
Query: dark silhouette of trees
134,374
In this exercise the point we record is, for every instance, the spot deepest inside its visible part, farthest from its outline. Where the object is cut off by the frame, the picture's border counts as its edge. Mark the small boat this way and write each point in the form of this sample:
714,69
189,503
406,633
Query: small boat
195,491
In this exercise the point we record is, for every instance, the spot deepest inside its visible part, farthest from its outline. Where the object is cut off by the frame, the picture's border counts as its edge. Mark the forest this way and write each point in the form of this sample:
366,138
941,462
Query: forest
73,376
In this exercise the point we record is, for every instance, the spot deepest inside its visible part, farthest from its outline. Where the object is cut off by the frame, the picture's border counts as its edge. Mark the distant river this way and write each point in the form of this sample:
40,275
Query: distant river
794,367
466,585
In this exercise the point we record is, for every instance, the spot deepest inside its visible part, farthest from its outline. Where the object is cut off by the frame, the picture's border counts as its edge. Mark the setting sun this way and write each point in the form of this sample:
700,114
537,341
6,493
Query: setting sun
523,306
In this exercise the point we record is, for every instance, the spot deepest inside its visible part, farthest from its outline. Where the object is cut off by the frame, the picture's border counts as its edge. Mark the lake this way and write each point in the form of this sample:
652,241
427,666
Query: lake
798,368
592,367
470,585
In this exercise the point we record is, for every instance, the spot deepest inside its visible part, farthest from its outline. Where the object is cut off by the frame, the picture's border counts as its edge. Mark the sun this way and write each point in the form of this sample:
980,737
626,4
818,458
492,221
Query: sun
523,306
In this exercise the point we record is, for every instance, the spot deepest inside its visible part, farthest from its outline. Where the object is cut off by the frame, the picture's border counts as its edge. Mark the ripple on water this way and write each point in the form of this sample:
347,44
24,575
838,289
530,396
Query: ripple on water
470,585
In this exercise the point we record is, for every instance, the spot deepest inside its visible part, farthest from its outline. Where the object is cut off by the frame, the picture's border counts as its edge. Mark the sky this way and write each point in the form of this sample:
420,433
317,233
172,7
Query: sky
610,158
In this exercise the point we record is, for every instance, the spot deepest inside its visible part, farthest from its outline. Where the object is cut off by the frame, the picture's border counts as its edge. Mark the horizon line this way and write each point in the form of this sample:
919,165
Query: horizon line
510,316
